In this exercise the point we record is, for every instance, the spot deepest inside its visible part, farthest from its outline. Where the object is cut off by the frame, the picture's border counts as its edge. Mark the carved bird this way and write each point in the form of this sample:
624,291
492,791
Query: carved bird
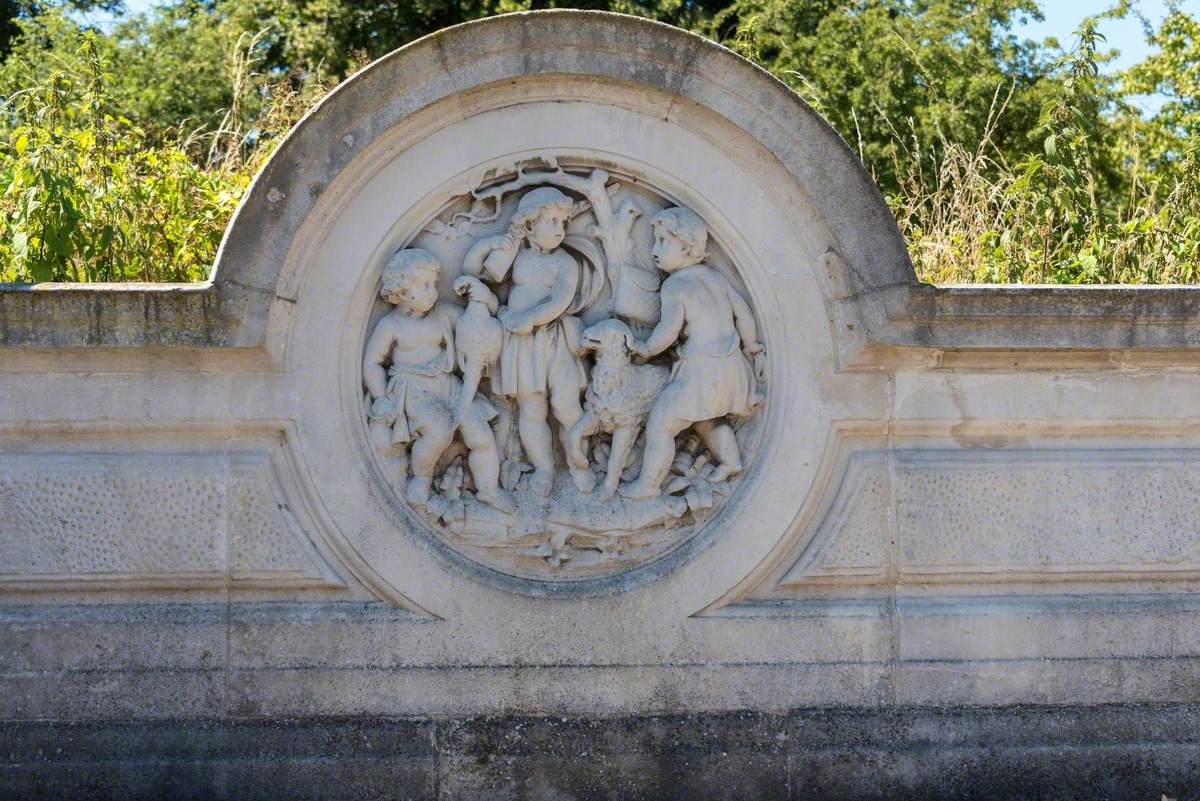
478,337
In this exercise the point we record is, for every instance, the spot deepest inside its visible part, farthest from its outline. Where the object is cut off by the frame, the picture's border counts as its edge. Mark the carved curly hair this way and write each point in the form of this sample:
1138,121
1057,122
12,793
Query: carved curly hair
538,200
402,267
686,225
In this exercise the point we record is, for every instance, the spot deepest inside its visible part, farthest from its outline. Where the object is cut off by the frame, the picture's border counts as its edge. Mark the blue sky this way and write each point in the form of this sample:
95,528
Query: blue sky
1124,35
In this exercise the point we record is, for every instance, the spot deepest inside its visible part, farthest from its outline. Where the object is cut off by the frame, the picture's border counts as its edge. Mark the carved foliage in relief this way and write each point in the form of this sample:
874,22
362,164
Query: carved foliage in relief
565,373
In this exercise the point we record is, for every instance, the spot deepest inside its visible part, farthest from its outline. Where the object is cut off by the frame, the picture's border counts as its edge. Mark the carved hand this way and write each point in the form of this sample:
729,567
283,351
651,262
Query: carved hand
515,322
511,238
757,355
467,285
384,409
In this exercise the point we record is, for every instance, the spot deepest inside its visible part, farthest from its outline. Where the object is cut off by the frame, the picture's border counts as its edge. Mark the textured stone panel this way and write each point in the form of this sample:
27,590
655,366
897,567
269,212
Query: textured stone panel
1085,511
99,514
265,540
113,520
851,543
1019,514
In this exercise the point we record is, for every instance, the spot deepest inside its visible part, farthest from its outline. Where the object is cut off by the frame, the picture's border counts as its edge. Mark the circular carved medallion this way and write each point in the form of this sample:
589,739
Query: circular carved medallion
563,373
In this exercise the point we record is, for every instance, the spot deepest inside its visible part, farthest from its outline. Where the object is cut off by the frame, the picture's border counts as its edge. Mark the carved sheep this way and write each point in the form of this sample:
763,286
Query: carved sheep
618,398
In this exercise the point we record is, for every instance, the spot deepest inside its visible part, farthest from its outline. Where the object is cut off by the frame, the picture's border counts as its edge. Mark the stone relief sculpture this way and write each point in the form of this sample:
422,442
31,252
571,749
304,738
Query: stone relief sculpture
601,337
418,401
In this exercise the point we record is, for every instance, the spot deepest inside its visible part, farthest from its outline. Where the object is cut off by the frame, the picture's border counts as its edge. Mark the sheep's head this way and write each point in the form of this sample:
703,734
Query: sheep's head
610,339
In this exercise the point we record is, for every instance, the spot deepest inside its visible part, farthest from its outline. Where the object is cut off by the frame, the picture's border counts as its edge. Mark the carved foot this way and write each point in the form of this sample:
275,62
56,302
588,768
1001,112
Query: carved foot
723,472
585,482
511,471
575,454
609,489
542,483
497,500
418,490
639,490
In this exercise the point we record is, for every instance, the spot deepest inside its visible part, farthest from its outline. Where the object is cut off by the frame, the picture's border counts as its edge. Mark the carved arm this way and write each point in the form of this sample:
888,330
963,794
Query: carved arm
559,299
378,346
743,318
477,291
670,324
493,254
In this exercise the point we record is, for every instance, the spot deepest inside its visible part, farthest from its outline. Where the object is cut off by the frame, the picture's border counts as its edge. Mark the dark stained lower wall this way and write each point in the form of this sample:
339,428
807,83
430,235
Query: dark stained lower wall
1116,752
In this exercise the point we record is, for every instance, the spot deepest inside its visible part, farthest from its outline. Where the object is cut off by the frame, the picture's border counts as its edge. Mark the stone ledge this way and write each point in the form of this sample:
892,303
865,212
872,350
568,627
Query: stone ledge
984,317
1113,752
113,315
1014,316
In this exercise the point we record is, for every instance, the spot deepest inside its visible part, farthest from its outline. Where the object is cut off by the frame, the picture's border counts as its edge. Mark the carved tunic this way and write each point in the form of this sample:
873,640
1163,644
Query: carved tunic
728,382
710,378
543,360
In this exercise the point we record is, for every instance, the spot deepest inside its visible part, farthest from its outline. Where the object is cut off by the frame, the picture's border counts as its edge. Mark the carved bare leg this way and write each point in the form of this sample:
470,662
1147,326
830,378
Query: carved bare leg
433,440
618,455
661,428
484,461
584,427
536,439
380,435
567,411
722,443
418,490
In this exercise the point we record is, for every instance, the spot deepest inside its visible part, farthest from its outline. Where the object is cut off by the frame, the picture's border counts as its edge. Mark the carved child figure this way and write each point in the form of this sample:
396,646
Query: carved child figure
539,362
716,372
407,370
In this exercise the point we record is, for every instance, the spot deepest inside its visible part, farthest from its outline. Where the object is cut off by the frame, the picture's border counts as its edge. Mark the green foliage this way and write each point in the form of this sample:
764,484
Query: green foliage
1059,216
1173,70
1003,159
897,78
12,12
84,201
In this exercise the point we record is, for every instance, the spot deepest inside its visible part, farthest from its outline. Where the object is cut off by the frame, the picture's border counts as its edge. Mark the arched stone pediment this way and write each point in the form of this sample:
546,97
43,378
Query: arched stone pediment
564,56
436,150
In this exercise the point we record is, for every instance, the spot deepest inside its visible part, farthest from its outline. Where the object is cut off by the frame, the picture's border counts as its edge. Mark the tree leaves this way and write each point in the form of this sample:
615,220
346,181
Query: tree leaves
84,199
123,154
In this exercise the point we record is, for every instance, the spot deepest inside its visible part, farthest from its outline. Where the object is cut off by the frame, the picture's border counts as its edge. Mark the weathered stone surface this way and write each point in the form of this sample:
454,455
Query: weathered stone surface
113,315
135,519
1114,753
1010,514
216,579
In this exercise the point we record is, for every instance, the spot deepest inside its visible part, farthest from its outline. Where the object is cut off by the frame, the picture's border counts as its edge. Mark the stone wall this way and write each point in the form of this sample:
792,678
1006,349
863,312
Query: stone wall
962,556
